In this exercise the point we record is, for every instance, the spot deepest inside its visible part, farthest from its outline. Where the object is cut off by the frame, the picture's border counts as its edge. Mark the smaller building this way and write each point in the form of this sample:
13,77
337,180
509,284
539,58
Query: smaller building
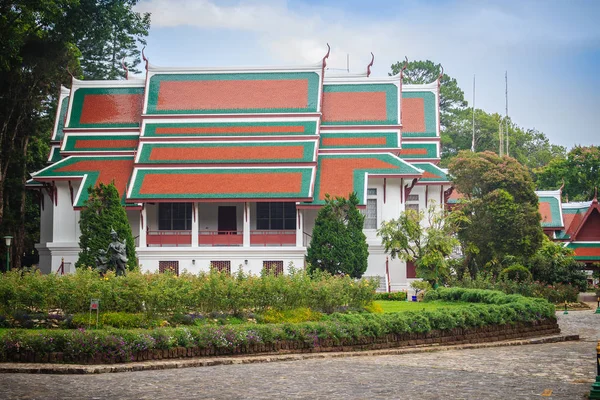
576,224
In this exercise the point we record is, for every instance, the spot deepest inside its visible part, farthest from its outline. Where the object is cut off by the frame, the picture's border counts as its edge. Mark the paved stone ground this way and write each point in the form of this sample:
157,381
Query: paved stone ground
515,372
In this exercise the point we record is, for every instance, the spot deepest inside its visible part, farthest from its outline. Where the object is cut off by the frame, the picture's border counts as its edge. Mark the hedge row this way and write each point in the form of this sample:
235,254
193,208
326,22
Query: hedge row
157,294
336,328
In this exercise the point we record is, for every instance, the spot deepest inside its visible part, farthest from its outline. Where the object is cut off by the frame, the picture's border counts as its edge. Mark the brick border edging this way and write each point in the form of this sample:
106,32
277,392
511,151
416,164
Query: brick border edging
72,369
457,336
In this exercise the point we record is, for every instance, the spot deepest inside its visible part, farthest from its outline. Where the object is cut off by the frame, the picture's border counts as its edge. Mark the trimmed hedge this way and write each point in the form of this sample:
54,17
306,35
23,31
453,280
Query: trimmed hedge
163,294
495,309
391,296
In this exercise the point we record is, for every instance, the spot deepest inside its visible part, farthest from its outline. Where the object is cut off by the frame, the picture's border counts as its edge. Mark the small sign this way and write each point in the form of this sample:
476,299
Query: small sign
94,304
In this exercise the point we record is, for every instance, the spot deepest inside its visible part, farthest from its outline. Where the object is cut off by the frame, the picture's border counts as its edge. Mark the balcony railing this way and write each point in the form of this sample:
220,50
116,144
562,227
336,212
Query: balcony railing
221,238
273,238
169,238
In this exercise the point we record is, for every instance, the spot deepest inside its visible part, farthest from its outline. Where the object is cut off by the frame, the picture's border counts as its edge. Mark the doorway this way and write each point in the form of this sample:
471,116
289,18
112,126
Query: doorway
227,220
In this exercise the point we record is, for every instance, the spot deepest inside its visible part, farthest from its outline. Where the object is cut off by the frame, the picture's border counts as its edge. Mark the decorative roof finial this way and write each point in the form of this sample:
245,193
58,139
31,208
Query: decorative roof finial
595,194
370,64
326,56
439,79
125,68
144,58
69,72
562,186
403,67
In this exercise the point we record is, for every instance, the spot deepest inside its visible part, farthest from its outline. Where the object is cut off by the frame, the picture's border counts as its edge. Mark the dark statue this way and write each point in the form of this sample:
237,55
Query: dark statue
115,257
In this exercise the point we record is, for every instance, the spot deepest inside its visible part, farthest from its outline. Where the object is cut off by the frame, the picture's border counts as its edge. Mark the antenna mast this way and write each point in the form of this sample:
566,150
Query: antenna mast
473,140
506,117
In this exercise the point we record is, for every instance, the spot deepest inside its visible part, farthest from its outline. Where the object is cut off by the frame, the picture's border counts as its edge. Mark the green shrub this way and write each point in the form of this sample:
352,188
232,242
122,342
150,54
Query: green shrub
167,294
391,296
516,273
296,315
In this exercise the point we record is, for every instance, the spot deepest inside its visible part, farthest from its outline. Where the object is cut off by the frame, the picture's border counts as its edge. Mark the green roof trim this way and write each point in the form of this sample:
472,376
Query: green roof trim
433,173
352,140
54,155
398,167
313,82
429,114
64,106
419,150
227,129
554,212
391,101
238,178
105,143
78,100
119,173
243,149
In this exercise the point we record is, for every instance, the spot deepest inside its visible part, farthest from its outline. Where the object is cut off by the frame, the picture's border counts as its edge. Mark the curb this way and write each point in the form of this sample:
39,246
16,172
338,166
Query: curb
74,369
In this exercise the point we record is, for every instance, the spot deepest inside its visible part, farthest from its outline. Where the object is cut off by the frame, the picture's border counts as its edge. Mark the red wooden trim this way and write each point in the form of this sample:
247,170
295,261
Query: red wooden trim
273,238
228,116
109,152
593,206
317,206
221,164
189,138
407,189
326,128
221,238
168,238
100,130
218,200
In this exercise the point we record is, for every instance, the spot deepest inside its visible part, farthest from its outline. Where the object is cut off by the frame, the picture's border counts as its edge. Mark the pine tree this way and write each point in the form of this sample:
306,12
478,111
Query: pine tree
103,212
339,245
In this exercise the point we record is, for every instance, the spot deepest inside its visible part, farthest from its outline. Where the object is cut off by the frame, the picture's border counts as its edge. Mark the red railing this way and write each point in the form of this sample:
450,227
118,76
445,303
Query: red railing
169,238
273,238
220,238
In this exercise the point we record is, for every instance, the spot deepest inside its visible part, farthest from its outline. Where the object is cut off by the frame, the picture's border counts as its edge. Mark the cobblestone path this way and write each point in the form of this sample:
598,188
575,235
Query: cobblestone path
567,369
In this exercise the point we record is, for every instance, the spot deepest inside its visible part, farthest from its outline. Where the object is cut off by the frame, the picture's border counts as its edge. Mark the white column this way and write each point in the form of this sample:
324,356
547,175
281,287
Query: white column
143,227
299,228
195,223
246,224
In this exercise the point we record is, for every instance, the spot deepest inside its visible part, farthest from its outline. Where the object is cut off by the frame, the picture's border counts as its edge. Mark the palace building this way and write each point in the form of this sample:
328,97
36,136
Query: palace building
229,166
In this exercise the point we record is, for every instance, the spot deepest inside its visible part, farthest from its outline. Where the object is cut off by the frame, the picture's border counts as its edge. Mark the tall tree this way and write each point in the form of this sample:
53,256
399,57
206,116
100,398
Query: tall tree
338,243
39,45
502,208
452,98
101,214
428,240
579,170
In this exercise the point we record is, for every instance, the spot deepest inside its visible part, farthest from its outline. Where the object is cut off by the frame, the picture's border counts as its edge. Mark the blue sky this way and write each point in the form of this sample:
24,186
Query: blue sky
551,49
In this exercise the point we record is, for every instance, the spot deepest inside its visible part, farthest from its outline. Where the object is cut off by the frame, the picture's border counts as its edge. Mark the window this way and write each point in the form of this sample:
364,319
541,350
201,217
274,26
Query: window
274,267
412,202
272,216
168,266
371,214
175,216
413,207
221,266
371,211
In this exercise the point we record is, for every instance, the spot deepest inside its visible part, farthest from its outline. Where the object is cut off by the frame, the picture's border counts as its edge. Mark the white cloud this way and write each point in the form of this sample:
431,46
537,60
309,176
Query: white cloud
475,37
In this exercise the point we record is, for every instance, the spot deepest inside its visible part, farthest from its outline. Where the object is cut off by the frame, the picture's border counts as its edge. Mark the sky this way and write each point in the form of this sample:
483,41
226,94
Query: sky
549,48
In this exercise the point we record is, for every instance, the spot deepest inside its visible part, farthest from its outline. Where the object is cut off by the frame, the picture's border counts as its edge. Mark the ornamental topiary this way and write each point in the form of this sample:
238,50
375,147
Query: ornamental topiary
101,213
338,243
516,273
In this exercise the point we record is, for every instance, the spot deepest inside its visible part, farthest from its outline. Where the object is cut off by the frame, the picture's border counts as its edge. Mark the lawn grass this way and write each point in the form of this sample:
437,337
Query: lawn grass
401,306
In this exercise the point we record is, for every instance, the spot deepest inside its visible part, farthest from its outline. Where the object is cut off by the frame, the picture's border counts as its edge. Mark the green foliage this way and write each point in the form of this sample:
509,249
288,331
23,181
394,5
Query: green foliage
516,273
294,316
428,246
553,263
502,209
554,293
166,294
390,296
338,244
452,98
103,212
42,42
579,170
